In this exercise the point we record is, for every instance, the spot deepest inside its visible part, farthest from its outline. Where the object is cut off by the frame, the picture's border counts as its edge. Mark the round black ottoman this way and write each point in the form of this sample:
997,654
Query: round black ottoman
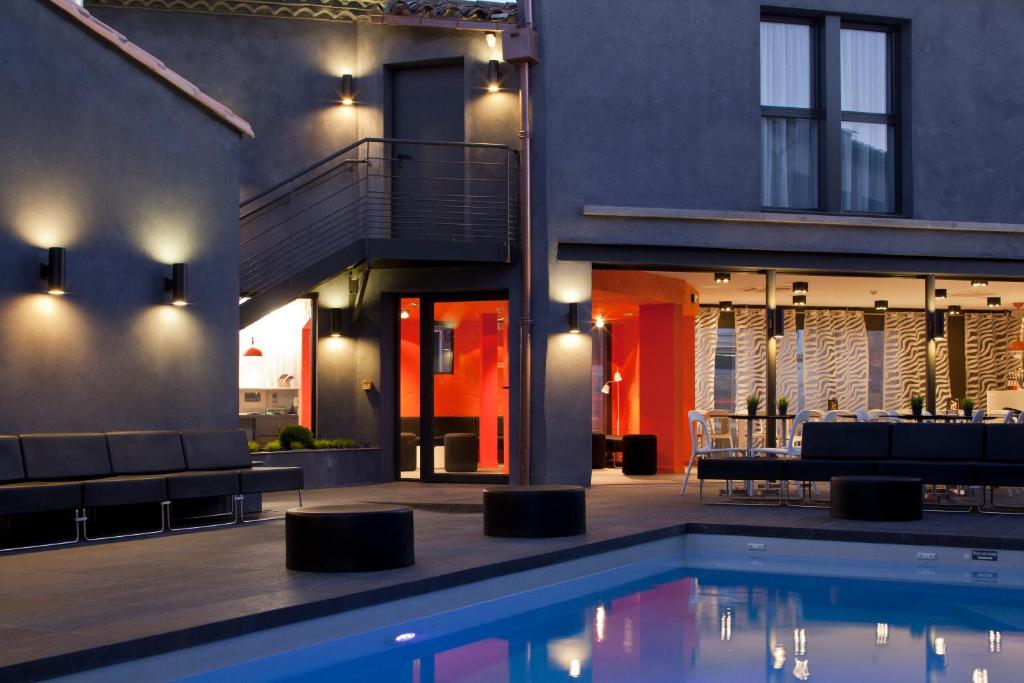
640,454
348,538
598,452
540,511
461,452
883,499
407,451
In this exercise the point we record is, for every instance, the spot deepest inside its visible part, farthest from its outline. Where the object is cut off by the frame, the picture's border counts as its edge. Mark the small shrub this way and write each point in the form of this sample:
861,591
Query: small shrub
783,404
333,443
917,403
753,403
295,436
254,447
272,446
967,404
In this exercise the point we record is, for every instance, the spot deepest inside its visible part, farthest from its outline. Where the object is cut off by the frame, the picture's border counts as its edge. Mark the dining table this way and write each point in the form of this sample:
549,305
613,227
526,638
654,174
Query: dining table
750,419
944,418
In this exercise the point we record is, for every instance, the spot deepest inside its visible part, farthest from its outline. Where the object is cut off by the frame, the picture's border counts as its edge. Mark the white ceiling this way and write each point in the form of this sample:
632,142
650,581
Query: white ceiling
848,292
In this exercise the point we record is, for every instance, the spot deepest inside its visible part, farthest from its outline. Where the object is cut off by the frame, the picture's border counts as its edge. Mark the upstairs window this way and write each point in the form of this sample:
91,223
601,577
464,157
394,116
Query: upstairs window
828,116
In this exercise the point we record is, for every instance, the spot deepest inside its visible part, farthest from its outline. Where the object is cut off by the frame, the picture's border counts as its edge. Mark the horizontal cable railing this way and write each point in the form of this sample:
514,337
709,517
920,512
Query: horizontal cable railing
380,188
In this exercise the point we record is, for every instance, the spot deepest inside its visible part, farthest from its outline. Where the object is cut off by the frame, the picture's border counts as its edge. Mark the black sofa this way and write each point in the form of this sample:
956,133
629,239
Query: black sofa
965,454
82,472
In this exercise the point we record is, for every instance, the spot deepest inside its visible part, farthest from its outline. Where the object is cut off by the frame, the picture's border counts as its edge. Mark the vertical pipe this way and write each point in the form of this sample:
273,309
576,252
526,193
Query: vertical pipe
771,351
526,269
929,309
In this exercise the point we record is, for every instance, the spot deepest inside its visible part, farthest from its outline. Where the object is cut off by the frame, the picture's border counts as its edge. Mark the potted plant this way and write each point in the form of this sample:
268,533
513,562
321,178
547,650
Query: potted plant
917,405
753,403
968,406
783,405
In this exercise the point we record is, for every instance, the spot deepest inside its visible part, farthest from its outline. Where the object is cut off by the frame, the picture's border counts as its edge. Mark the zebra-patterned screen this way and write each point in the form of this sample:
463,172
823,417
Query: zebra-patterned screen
706,330
942,390
787,380
905,369
751,355
835,359
988,361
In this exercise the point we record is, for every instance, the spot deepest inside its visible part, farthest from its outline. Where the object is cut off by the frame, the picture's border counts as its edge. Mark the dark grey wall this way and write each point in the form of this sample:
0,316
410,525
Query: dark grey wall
102,158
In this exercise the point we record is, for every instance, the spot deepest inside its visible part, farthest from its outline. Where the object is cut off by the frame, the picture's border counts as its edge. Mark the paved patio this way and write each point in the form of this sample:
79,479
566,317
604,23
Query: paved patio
79,607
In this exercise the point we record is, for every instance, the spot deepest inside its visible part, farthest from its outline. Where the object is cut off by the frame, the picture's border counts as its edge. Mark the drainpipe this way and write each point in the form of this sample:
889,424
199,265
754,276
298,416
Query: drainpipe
525,223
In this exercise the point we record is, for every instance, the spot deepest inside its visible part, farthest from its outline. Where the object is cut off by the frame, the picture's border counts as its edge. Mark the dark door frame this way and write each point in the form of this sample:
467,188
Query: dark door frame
427,301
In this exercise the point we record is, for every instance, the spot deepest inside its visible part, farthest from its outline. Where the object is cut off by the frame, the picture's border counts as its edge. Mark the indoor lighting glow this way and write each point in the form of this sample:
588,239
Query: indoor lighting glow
617,377
801,288
881,305
404,637
53,271
953,310
599,322
725,306
404,315
493,76
722,278
994,302
607,388
940,294
799,300
348,95
979,283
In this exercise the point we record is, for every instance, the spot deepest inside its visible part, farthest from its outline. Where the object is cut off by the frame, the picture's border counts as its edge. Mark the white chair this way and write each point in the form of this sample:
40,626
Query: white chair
877,415
796,440
721,429
838,415
700,433
862,416
1020,419
978,417
1009,417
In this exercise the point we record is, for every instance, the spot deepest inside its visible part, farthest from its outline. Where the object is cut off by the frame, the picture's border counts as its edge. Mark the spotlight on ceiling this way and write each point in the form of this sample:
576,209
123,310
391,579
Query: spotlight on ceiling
799,300
994,302
953,310
725,306
722,278
941,294
881,305
801,287
979,283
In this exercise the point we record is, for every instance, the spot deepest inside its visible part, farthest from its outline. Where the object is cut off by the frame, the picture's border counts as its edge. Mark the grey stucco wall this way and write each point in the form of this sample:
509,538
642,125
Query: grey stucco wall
102,158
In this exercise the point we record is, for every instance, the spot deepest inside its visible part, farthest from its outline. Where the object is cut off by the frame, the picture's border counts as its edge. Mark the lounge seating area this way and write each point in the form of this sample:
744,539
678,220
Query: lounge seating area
97,486
967,460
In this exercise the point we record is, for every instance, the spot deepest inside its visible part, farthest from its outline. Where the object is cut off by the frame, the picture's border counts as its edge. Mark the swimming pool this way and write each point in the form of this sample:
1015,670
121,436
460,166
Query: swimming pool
723,609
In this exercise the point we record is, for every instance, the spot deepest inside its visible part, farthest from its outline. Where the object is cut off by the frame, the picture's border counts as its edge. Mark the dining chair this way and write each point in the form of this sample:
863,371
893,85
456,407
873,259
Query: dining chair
1009,417
878,415
838,415
721,429
700,433
863,416
978,417
1020,419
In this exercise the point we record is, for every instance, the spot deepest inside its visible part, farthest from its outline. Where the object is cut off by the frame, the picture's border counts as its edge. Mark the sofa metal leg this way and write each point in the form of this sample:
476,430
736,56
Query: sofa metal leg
233,514
241,512
162,529
79,519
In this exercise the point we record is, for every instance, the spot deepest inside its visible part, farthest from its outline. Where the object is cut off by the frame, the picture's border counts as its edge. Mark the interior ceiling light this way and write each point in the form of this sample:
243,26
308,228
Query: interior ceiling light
799,300
404,315
994,302
979,283
599,322
722,278
725,306
953,310
941,294
801,287
252,351
881,305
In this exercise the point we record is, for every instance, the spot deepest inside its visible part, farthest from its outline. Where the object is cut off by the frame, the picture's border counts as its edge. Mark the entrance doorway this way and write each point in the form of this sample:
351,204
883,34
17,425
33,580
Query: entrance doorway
453,388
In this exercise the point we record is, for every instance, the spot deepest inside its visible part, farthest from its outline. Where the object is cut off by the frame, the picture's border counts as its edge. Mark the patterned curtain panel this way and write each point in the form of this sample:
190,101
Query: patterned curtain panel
787,382
835,359
706,330
988,362
904,359
751,357
942,391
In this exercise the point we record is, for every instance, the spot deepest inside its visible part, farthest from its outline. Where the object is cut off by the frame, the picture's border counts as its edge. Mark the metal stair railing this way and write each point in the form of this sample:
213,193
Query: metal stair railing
379,188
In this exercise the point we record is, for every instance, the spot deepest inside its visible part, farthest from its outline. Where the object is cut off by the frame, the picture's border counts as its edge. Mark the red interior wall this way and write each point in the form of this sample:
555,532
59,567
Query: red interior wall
409,365
626,359
306,379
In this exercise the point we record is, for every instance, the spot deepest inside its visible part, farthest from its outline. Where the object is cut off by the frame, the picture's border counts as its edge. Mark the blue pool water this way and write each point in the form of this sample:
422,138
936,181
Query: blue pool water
683,623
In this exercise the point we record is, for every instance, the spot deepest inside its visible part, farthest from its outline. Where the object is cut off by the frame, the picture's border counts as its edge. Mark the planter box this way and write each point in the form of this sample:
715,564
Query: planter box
329,467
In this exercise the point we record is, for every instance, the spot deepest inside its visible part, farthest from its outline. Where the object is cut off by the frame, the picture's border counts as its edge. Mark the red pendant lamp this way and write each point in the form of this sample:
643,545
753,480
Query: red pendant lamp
253,351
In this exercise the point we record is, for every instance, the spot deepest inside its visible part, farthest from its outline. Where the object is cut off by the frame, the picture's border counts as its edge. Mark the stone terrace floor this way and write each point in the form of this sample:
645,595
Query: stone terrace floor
68,609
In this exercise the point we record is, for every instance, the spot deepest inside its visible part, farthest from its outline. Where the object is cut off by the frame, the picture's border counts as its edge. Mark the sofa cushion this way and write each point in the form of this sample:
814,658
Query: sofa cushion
740,468
823,470
40,497
1000,474
11,467
65,456
202,484
124,490
935,472
845,441
145,452
219,449
945,442
267,479
1004,443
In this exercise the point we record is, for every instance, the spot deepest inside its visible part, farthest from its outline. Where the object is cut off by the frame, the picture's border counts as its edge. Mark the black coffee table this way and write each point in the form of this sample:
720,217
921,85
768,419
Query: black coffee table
880,499
349,538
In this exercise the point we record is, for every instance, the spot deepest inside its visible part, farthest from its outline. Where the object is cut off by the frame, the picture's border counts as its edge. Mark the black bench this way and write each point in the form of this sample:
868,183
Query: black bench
349,538
539,511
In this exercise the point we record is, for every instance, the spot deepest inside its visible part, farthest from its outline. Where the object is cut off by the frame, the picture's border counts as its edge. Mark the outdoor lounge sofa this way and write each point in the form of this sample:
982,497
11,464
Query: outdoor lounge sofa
77,473
964,454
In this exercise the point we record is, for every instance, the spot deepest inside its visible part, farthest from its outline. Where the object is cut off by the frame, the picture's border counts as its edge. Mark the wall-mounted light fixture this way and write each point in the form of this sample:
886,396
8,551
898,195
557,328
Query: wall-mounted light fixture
722,278
776,323
725,306
941,294
936,325
348,90
335,322
599,322
801,287
493,76
953,310
177,285
979,283
881,305
994,302
574,318
404,315
53,271
799,300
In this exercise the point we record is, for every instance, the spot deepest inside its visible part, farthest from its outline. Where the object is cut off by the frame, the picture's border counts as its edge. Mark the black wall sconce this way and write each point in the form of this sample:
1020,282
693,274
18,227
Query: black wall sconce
936,326
53,271
776,323
348,90
177,284
574,318
335,322
493,76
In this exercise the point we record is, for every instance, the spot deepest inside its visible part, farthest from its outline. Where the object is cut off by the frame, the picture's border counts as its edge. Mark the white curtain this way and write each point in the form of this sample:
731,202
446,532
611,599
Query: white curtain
751,355
785,65
864,71
835,359
706,331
